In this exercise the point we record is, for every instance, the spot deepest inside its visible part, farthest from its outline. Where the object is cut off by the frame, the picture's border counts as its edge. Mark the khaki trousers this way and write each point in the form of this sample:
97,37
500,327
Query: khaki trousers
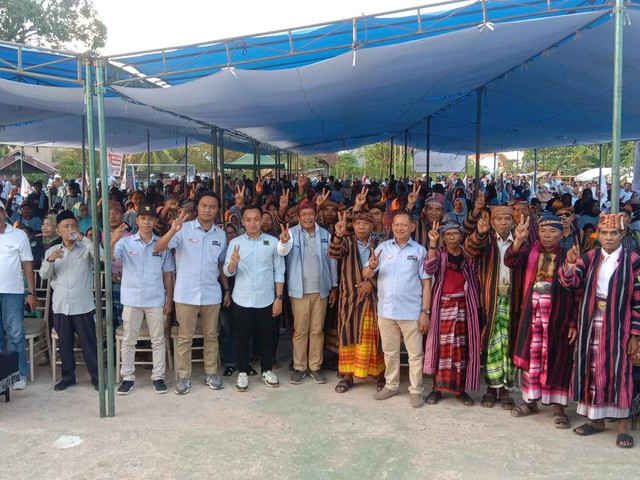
187,316
132,318
391,333
308,325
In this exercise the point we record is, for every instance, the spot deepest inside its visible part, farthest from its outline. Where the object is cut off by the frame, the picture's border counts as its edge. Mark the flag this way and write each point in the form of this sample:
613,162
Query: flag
25,188
603,189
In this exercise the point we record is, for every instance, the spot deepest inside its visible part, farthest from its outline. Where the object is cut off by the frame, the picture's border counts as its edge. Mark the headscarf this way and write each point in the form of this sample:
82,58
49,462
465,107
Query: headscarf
54,238
84,224
452,216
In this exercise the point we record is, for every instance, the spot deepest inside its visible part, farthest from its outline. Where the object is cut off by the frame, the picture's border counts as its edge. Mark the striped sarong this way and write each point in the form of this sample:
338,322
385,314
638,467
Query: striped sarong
534,382
588,408
500,370
363,359
453,350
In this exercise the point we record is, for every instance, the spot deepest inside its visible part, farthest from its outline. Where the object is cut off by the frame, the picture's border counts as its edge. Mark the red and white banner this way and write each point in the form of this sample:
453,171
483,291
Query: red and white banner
114,164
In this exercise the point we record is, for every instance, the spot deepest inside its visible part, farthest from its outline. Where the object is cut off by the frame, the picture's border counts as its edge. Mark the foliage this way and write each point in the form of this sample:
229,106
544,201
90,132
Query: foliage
4,151
346,167
34,177
68,161
52,23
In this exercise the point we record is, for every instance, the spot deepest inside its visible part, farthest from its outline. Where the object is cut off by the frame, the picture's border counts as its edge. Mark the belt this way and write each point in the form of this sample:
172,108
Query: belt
542,287
115,279
504,289
601,304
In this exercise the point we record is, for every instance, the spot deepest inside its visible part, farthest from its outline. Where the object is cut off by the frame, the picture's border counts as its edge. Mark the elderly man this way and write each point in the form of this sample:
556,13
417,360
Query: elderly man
15,258
200,248
146,293
69,269
608,329
404,297
257,295
312,279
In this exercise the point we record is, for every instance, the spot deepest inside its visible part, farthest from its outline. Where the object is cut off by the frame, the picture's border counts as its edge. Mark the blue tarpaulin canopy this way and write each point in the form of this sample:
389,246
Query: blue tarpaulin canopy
546,69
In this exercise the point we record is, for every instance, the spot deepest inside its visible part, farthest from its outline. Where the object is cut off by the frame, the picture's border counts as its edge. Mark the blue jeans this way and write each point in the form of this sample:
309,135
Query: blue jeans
11,317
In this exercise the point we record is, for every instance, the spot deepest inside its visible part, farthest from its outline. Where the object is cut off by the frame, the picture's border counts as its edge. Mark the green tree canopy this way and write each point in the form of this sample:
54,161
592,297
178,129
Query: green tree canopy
52,23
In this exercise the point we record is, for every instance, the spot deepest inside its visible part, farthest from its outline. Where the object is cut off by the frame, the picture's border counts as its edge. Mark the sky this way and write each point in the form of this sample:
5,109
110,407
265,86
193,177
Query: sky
135,25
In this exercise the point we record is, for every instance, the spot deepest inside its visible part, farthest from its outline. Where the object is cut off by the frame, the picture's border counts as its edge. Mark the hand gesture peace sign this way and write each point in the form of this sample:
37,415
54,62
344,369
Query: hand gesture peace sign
118,232
480,202
412,198
573,254
239,196
176,225
374,260
522,230
361,198
284,236
321,198
434,235
484,223
340,228
284,200
235,256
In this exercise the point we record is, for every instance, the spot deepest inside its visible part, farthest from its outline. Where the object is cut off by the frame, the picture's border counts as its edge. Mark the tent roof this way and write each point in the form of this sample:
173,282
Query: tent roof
546,75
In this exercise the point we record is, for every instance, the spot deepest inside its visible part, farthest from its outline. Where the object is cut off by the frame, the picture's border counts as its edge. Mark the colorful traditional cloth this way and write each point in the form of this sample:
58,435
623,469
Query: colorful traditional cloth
365,358
534,381
499,369
588,407
453,349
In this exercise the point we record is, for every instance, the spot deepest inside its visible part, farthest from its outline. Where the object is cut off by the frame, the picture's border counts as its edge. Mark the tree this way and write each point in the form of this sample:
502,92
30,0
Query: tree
347,166
52,23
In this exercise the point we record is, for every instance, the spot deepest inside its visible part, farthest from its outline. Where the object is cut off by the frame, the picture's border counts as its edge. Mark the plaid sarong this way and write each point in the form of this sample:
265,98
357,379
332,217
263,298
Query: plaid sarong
499,369
453,348
363,359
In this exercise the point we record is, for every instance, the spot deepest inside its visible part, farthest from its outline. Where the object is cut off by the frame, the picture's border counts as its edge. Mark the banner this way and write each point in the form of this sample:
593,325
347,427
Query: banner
439,162
114,164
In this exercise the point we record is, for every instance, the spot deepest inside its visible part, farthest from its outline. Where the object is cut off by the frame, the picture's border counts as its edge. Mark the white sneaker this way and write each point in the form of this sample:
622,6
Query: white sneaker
20,384
242,384
270,379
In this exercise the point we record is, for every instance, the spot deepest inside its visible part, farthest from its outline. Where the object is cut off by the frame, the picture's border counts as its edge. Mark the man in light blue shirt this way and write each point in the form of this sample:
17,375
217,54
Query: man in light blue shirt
404,297
200,249
257,295
146,276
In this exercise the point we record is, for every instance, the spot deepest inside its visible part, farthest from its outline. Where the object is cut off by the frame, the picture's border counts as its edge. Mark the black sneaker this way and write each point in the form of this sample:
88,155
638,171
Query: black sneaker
317,376
160,386
297,377
125,387
62,385
228,371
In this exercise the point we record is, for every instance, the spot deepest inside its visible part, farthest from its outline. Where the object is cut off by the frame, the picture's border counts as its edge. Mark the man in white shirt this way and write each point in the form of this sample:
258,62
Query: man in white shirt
15,257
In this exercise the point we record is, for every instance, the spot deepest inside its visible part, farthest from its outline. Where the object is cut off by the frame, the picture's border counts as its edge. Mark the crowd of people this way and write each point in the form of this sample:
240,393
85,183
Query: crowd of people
470,284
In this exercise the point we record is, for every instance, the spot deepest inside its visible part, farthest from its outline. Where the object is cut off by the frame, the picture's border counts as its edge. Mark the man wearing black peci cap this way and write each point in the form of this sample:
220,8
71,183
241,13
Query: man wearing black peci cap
146,293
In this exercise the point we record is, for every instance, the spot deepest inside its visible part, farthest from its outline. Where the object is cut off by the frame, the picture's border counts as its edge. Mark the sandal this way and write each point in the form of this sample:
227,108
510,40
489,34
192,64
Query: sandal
624,440
434,397
507,402
466,399
488,400
382,382
228,371
587,429
524,410
343,386
560,420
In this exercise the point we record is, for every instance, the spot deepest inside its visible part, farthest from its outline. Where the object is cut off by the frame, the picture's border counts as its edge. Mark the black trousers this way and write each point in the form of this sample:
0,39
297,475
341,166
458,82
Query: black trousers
254,323
85,326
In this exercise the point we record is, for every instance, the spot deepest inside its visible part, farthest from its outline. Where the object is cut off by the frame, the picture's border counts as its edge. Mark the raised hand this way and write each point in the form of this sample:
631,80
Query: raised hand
322,198
57,253
374,260
484,223
522,230
239,196
284,200
118,233
235,255
412,198
480,203
284,236
434,235
177,223
340,228
361,198
573,254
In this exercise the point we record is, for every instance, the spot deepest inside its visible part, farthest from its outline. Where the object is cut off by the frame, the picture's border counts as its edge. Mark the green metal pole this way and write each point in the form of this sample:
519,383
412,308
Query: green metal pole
93,205
222,179
107,236
617,107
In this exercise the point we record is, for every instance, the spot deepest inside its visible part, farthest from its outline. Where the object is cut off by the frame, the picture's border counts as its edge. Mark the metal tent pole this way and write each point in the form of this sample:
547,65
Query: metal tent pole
391,161
617,107
214,161
600,175
222,182
535,172
84,156
428,150
148,158
478,132
495,165
186,163
406,141
88,95
100,90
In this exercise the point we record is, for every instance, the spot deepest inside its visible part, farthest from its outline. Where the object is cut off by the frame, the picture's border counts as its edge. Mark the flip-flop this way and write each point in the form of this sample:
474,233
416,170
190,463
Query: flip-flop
560,420
587,429
434,397
466,399
382,382
507,403
524,410
343,386
624,437
488,400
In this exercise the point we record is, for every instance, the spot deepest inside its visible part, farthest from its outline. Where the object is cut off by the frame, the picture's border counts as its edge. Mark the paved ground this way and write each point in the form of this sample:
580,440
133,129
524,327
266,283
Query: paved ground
292,432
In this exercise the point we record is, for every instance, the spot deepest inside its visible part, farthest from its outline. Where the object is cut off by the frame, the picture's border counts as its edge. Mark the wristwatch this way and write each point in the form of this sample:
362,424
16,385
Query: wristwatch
31,292
278,297
426,311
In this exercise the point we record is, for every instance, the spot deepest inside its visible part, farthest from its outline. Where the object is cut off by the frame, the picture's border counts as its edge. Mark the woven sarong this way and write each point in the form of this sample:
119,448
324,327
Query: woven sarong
499,369
453,349
534,382
363,359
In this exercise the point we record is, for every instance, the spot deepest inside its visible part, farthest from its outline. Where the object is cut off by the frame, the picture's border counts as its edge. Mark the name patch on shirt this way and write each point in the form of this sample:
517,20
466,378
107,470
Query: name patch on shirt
133,252
265,242
156,254
413,258
387,256
193,240
215,243
324,240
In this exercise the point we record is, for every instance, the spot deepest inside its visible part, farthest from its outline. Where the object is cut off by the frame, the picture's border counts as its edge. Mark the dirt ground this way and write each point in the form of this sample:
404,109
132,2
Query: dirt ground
292,432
